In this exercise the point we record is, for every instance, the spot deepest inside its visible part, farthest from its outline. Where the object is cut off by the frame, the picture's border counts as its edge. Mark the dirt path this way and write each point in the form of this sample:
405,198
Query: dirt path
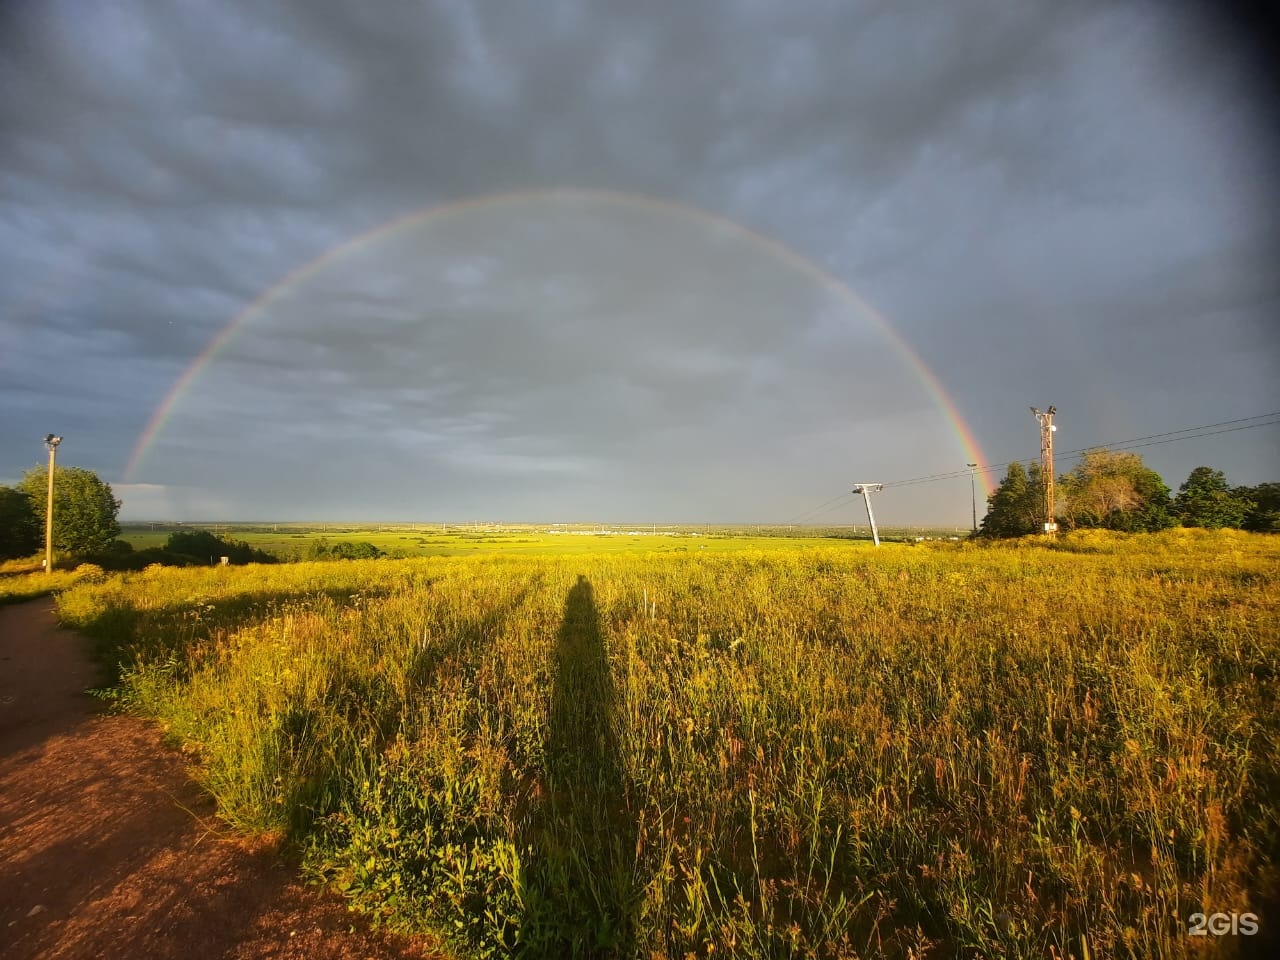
107,849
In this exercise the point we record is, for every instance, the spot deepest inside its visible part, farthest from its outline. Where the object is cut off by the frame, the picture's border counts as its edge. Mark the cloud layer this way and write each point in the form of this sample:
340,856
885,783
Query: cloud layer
1051,203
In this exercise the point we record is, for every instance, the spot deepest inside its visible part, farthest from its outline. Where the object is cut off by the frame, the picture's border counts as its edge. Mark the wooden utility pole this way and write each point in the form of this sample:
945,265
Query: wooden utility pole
51,442
866,489
1046,465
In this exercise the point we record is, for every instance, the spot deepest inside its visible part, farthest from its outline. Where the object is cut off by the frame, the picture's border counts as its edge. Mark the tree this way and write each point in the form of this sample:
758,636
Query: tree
1015,509
1263,514
346,550
19,530
84,508
1116,491
201,546
1205,500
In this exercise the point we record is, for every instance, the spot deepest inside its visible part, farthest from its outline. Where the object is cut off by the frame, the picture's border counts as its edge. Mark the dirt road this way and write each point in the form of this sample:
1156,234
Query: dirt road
108,850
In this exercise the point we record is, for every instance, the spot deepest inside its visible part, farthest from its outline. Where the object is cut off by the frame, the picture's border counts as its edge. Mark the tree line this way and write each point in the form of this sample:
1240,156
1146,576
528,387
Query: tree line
85,526
84,513
1115,490
1107,489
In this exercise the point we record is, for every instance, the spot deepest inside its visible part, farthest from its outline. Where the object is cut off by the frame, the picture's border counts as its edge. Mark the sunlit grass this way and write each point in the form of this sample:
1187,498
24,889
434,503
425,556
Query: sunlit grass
31,564
456,540
965,750
18,586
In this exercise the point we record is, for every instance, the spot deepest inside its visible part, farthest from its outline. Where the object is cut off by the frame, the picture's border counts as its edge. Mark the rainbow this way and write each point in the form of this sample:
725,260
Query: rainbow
155,425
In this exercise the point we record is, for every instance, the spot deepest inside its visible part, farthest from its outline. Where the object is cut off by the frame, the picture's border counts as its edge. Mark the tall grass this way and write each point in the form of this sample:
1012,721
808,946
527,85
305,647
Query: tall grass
1007,751
28,584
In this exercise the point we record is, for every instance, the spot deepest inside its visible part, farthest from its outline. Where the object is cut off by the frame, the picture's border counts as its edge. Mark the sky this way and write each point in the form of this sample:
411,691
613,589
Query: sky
662,262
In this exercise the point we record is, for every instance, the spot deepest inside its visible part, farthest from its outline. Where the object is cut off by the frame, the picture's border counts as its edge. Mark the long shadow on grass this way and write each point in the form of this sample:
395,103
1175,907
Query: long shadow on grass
124,635
364,713
580,886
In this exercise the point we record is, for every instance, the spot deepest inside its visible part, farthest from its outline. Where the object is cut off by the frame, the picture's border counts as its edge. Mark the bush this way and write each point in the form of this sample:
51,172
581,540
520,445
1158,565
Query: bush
89,573
141,559
345,550
201,546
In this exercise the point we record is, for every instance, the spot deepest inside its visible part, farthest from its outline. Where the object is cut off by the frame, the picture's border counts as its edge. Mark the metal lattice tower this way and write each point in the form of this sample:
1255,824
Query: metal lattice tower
1046,465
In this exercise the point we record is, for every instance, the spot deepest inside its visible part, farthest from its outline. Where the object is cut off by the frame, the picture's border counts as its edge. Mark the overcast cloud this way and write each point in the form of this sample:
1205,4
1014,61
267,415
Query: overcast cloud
1051,203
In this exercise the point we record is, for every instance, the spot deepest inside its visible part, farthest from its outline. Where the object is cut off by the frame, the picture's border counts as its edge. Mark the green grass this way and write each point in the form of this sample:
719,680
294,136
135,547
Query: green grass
1012,750
26,584
437,540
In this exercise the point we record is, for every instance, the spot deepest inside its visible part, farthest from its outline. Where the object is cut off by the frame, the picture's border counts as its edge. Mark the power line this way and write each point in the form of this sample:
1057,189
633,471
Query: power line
1197,436
1077,454
1170,433
819,508
1151,440
844,502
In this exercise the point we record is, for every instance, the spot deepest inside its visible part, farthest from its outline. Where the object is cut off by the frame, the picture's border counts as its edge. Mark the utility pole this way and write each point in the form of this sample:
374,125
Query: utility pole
973,494
867,489
51,442
1046,465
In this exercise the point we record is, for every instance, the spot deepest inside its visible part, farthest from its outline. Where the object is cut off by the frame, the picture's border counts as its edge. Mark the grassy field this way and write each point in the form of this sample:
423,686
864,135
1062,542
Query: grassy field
946,750
292,541
26,581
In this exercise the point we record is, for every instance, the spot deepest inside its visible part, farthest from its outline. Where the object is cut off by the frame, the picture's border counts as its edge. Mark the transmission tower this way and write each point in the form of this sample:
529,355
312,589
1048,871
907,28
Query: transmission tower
1046,465
867,489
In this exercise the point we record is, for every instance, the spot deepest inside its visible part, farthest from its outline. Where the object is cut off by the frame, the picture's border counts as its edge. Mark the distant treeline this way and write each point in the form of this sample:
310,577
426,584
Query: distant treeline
322,549
202,548
188,548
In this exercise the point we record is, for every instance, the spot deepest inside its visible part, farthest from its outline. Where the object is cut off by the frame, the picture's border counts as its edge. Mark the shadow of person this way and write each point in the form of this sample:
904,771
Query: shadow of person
583,866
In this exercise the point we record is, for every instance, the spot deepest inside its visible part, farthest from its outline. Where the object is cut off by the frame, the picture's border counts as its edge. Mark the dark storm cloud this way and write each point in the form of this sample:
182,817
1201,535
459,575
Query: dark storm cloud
1064,203
525,361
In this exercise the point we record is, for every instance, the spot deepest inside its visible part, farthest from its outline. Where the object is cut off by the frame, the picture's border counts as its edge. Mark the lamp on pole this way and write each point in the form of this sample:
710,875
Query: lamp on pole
973,494
51,442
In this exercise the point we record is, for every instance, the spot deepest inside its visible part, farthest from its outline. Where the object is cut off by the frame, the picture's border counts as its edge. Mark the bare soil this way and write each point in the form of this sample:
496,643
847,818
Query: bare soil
109,849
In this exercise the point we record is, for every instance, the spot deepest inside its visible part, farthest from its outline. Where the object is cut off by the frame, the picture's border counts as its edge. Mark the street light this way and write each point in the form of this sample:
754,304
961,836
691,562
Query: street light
973,494
51,442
